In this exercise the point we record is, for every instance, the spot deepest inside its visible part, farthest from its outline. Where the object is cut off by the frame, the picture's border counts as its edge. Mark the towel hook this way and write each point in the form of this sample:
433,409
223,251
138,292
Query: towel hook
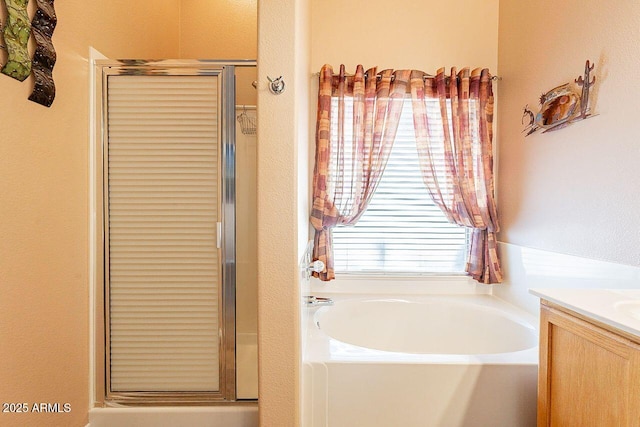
276,85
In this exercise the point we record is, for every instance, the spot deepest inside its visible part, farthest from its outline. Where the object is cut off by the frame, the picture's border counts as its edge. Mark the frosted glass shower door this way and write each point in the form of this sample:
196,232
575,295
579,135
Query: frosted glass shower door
163,256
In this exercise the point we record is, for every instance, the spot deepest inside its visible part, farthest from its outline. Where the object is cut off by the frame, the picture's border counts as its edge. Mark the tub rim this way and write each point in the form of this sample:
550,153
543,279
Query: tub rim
321,348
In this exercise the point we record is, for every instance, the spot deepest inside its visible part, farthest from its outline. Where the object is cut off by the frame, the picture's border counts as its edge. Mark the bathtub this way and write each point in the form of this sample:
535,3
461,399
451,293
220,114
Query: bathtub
419,361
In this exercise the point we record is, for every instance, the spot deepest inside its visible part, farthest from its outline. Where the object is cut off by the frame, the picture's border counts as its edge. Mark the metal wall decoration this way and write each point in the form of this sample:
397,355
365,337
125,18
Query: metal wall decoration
16,32
16,35
44,58
561,106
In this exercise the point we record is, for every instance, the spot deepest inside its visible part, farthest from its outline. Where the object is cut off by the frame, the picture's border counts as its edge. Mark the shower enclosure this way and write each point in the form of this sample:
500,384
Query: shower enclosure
176,201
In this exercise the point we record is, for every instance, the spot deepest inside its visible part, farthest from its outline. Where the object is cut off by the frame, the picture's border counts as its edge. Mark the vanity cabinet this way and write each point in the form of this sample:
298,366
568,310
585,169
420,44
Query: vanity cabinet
589,373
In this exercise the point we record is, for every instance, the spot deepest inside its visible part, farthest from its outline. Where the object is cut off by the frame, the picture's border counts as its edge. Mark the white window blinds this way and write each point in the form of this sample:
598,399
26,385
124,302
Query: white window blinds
162,264
402,231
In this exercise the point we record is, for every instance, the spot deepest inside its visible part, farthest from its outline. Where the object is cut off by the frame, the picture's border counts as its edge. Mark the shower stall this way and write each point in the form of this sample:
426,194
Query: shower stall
176,296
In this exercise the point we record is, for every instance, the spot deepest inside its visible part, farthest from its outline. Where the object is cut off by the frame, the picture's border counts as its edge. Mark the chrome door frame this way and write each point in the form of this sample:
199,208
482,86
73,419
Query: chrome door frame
227,371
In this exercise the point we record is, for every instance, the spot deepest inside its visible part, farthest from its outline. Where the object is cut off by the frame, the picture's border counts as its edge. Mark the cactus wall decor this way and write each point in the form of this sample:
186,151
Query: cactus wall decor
562,105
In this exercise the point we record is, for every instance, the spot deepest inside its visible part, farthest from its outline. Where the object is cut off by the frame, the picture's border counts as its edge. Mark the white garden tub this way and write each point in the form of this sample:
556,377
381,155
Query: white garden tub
420,361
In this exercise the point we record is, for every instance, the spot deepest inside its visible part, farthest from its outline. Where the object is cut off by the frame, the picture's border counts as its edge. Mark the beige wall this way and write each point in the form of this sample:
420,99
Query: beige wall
573,191
222,29
405,34
282,202
218,29
44,334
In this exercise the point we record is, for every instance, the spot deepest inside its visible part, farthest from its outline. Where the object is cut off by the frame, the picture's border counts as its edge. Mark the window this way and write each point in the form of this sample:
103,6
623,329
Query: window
402,231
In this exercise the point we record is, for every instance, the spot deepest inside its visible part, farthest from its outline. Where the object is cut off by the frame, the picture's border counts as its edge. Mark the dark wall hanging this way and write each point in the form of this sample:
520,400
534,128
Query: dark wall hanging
562,105
16,34
44,58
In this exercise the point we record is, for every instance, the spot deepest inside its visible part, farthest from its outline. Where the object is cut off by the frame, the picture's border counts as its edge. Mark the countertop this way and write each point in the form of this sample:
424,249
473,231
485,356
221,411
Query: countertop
617,308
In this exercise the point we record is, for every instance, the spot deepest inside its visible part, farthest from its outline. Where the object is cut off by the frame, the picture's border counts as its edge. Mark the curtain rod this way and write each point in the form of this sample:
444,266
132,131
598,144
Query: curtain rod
317,74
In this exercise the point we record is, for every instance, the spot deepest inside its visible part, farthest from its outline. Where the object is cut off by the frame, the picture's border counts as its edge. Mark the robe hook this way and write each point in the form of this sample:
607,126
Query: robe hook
276,85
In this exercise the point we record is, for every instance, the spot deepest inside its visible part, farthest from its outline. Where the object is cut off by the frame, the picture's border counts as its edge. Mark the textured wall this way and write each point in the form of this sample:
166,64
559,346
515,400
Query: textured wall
44,219
282,205
573,191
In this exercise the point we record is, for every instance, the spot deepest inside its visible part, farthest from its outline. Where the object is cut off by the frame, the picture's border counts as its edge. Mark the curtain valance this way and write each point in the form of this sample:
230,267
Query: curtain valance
347,79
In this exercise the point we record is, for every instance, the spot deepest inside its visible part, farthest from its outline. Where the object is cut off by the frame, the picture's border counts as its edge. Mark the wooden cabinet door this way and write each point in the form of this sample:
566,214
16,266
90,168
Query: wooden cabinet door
588,376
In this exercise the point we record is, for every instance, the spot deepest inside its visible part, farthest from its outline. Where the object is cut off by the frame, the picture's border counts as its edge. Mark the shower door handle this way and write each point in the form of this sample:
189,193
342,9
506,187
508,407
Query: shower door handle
218,235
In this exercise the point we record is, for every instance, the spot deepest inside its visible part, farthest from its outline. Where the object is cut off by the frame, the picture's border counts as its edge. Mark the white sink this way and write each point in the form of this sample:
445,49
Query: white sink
629,307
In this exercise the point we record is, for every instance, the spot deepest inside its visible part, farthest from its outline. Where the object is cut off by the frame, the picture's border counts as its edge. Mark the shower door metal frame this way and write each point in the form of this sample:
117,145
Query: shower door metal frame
227,300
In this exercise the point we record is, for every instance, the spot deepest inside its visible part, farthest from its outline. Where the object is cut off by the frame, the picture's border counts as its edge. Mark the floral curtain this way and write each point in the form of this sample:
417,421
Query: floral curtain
350,157
453,118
